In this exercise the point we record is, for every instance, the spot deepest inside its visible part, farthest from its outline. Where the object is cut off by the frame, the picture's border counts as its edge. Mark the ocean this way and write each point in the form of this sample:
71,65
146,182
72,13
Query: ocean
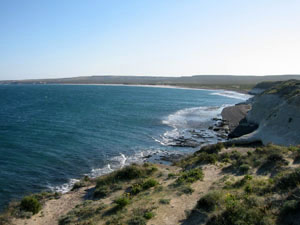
52,135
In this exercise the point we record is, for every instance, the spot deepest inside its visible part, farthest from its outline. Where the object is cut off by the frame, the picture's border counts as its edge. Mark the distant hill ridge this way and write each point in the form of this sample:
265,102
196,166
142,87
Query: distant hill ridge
197,79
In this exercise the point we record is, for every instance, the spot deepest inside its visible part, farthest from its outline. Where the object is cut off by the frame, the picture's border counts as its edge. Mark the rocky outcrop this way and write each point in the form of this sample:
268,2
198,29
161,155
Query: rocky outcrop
234,114
276,111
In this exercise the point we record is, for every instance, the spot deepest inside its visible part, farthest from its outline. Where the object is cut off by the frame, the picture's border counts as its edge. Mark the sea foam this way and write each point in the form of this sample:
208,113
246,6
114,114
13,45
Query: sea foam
232,94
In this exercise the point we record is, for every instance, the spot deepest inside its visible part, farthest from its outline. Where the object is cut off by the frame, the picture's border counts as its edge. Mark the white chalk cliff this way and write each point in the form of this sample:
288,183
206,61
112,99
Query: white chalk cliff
277,113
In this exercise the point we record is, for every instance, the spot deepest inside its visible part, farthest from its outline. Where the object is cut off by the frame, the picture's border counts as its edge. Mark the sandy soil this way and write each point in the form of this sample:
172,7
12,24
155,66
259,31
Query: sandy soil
53,209
176,211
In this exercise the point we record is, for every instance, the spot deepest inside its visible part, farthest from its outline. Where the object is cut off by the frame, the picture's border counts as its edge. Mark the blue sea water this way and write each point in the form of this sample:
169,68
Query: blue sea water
51,135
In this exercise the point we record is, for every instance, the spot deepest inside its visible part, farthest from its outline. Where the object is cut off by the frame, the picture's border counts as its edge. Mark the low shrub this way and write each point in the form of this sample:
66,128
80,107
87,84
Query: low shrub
78,185
288,181
297,155
122,201
171,175
290,207
164,201
290,213
275,157
149,183
43,196
235,155
111,182
209,202
213,149
30,204
244,168
101,191
136,188
190,176
82,214
126,174
240,182
148,215
239,213
187,189
207,158
137,220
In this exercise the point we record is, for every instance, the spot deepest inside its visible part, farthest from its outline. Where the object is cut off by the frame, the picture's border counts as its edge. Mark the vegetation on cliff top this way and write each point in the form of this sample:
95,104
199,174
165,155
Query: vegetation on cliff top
285,89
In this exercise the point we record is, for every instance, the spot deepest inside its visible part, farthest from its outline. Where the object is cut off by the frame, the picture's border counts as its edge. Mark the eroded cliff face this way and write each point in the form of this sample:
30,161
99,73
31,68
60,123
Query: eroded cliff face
277,113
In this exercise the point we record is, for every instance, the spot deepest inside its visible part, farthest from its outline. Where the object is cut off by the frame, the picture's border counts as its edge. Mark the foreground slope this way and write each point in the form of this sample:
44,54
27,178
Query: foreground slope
216,185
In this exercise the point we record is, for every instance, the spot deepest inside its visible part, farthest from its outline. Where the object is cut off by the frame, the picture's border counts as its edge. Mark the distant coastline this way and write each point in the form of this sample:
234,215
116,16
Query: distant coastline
238,83
241,91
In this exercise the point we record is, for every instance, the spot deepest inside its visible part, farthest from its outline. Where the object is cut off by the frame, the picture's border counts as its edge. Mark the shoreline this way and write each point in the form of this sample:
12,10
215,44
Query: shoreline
167,86
164,157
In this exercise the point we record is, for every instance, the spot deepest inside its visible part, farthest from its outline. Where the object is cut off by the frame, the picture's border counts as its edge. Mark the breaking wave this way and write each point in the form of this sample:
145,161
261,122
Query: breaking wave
232,94
192,125
116,163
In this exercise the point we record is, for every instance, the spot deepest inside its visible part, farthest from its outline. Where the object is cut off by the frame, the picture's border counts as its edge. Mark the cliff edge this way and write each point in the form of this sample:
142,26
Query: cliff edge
276,111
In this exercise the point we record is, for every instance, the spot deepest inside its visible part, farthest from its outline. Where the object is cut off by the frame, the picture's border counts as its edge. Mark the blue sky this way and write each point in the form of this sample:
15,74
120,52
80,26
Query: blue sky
63,38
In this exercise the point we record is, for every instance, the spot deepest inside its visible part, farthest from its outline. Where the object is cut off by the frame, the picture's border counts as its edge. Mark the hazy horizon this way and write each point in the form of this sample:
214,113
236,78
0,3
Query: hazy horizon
150,38
166,76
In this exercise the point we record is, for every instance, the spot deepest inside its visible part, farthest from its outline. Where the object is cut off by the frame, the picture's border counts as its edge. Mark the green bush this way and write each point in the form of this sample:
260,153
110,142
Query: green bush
297,155
101,191
126,174
290,207
190,176
207,158
237,213
242,182
148,215
112,182
248,188
135,189
122,202
30,204
138,187
235,155
212,149
164,201
187,189
288,181
244,168
275,157
289,214
137,220
171,175
209,202
149,183
82,214
78,185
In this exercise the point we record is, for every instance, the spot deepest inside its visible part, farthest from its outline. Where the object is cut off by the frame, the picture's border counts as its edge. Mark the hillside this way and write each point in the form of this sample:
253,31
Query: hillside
216,185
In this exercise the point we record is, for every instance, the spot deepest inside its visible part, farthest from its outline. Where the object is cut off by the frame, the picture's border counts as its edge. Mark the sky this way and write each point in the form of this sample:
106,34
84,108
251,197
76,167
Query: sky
67,38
